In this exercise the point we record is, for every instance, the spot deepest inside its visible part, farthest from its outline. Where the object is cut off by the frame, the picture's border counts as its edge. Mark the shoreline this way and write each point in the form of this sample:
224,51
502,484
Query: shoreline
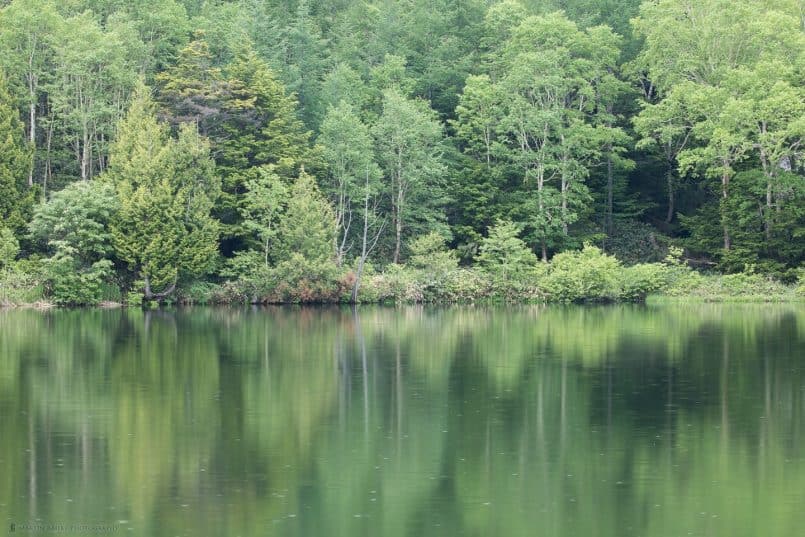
651,300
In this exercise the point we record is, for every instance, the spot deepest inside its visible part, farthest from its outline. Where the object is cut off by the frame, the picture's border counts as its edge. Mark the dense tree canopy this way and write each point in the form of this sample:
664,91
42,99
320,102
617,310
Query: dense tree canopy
507,129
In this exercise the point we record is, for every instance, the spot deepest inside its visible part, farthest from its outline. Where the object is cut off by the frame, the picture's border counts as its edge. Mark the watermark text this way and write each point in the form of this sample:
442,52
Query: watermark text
43,527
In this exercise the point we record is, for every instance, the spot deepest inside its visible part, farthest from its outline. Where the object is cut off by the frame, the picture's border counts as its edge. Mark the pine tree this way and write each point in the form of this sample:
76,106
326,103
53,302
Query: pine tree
248,117
261,126
167,189
308,227
504,255
192,89
16,199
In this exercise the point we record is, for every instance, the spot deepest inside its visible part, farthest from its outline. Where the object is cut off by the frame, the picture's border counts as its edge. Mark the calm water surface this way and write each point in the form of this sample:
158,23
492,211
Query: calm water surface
595,421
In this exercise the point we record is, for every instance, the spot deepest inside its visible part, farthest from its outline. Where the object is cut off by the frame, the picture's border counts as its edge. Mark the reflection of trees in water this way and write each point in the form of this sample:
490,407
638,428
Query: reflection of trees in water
381,420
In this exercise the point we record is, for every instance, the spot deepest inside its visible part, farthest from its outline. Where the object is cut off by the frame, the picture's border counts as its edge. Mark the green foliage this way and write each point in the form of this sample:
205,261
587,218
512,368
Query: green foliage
21,282
70,284
75,227
409,147
204,293
636,242
308,224
16,198
504,255
247,115
297,262
262,206
739,287
346,147
776,249
261,124
95,71
343,84
167,190
192,89
706,40
431,118
730,76
587,275
638,281
9,247
546,117
78,218
304,279
429,253
250,275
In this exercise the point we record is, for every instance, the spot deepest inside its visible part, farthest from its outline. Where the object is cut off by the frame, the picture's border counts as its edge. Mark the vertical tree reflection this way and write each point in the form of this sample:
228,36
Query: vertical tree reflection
366,421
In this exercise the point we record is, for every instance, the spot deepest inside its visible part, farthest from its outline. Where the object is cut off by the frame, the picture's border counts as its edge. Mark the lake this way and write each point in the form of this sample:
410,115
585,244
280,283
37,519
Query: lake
466,421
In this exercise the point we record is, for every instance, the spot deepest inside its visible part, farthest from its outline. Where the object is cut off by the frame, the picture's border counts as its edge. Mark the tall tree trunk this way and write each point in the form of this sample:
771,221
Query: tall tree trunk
565,186
769,198
725,181
398,226
669,182
541,208
397,207
48,162
32,83
339,225
610,194
32,140
769,191
488,142
364,247
85,155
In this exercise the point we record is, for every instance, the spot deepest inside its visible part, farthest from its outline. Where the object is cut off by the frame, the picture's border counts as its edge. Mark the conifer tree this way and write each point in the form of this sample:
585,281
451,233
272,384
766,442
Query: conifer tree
167,189
248,117
504,255
308,227
16,199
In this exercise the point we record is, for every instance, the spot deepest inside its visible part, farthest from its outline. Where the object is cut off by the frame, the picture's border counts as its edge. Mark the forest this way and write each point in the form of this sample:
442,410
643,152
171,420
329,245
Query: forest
273,151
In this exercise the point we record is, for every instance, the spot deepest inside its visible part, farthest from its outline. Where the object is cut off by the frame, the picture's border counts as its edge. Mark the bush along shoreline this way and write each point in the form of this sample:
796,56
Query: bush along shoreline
505,271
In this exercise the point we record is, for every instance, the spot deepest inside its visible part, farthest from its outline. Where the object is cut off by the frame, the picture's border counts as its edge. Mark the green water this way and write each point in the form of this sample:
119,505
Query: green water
588,421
